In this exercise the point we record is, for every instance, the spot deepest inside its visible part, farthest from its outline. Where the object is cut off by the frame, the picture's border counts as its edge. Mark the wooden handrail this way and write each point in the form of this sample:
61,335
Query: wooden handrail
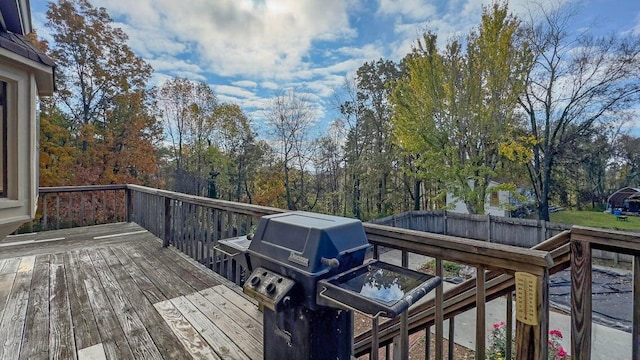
467,251
241,208
59,189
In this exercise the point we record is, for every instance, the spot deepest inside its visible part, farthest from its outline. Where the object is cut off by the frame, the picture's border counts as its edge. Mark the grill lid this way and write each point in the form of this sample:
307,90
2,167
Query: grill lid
313,244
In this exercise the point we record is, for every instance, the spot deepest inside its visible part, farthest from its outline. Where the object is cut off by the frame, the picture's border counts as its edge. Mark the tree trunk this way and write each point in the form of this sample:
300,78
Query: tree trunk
416,195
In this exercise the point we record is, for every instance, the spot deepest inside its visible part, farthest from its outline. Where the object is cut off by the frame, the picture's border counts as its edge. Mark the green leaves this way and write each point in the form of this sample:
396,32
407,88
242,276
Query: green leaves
457,105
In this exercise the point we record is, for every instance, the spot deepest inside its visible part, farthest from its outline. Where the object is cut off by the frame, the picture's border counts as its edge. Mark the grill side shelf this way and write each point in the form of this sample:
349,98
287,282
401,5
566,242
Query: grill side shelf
376,289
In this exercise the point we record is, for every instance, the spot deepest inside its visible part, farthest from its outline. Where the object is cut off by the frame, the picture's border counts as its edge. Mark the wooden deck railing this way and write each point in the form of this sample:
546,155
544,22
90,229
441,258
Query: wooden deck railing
583,241
194,225
73,206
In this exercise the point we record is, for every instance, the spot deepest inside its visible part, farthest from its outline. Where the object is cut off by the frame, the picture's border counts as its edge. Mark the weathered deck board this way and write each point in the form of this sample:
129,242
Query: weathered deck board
150,291
140,342
166,281
61,340
187,274
15,311
95,352
10,266
6,283
217,339
235,298
111,298
36,338
84,323
225,319
243,311
159,331
194,344
111,334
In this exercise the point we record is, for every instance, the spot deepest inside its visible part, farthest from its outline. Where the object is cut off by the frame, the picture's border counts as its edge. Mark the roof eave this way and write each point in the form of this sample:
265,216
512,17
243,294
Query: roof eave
43,73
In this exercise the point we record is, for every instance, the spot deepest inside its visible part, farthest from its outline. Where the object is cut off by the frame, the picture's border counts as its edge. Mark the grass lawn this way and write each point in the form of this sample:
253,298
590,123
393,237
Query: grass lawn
595,219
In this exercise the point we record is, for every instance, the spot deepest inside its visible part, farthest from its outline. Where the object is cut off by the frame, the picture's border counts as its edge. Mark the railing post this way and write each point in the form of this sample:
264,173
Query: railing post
635,345
129,204
531,340
167,222
580,299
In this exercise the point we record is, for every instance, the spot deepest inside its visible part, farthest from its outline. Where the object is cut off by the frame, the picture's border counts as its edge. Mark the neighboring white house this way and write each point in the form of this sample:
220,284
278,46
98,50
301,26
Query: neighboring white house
25,74
497,203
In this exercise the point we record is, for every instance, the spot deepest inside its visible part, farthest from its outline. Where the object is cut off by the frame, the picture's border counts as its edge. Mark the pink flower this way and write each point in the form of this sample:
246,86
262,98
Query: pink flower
561,352
498,325
556,333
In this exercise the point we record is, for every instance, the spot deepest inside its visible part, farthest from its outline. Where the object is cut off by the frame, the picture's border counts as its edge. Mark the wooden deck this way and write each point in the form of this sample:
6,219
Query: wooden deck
112,292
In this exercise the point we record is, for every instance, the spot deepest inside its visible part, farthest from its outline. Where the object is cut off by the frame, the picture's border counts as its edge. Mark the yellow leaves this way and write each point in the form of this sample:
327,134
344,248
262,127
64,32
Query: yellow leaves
518,150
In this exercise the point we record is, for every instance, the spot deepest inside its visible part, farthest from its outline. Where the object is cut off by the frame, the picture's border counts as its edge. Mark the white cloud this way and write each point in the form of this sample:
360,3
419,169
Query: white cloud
233,91
269,85
411,9
245,83
265,39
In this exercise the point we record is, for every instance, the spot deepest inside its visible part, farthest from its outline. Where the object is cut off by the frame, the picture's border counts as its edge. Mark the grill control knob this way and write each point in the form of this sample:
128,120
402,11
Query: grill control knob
271,288
255,281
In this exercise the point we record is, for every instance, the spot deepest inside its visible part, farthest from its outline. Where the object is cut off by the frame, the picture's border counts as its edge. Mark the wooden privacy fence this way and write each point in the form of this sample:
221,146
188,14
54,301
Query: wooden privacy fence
496,229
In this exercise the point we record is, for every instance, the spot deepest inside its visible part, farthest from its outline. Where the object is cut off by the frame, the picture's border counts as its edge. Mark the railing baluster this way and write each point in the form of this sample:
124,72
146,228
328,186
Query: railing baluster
452,325
82,216
404,322
375,339
480,314
45,217
427,343
104,207
93,208
439,318
167,222
57,210
509,326
69,210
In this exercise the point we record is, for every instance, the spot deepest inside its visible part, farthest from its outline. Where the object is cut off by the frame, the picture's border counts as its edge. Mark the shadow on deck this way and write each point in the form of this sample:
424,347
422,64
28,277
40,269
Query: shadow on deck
113,292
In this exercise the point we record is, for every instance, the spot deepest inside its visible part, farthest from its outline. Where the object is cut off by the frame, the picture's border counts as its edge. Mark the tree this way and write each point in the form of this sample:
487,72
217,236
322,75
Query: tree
627,152
456,110
237,140
102,91
93,61
57,151
375,81
290,120
577,81
188,110
328,163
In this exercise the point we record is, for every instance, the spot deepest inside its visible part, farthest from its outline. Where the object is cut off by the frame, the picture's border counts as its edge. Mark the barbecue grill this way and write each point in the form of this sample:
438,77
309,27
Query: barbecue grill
309,276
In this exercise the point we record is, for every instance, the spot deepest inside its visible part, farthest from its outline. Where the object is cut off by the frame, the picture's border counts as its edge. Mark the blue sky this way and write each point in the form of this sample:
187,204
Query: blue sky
251,50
